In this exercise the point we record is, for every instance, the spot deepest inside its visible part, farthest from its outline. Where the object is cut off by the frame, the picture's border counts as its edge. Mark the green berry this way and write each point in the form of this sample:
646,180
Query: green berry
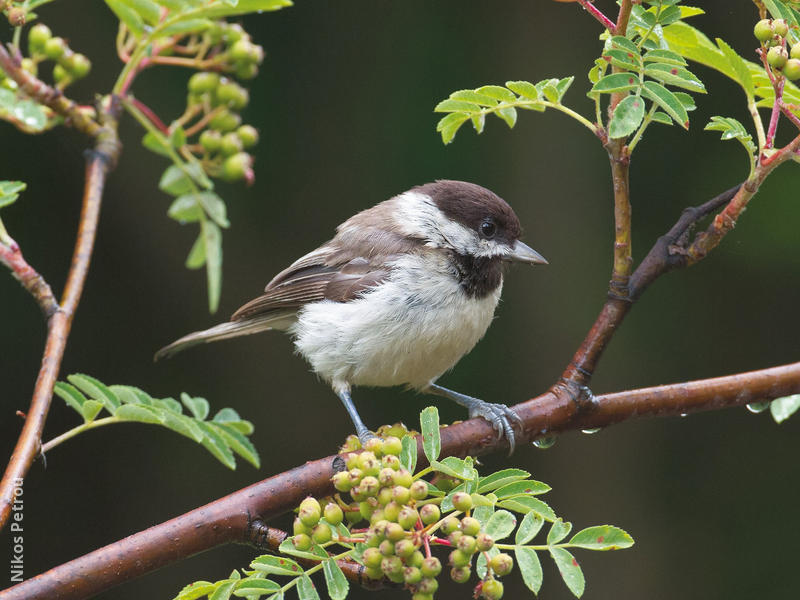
392,445
310,512
386,548
431,567
372,558
412,575
408,517
352,516
421,596
78,65
404,548
780,27
37,38
419,490
460,574
484,542
391,565
231,144
458,558
60,74
428,585
17,16
369,484
492,589
792,69
386,477
795,51
455,536
377,515
225,121
351,460
29,65
395,532
416,559
401,494
502,564
321,534
391,511
366,509
392,462
462,501
246,71
356,475
301,542
234,96
203,82
333,513
240,50
385,496
405,478
466,544
341,480
234,32
374,573
372,539
379,527
470,526
298,527
777,57
55,47
374,445
449,525
429,513
763,30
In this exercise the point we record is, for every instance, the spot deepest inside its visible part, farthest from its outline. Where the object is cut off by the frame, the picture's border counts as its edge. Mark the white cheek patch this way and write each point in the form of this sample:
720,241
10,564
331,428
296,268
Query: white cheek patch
417,213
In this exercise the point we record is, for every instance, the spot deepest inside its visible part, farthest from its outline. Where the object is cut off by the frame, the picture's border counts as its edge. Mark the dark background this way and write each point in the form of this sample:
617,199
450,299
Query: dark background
344,105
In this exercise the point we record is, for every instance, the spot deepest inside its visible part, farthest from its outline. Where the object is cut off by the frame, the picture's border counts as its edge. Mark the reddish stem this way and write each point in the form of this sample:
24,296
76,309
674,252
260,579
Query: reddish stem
776,111
148,112
598,14
32,281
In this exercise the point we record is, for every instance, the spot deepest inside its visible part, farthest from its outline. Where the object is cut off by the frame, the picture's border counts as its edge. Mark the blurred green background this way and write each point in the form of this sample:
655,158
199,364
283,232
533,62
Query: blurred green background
344,105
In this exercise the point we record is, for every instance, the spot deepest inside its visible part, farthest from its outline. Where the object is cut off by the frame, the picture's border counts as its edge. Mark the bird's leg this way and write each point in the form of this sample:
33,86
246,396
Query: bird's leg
499,415
343,391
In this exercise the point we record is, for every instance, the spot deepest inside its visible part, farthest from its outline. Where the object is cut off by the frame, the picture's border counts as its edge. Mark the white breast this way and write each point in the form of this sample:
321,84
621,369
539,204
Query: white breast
408,331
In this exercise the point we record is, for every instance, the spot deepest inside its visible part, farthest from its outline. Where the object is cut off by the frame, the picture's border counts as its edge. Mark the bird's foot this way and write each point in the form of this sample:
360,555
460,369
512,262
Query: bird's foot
501,417
365,435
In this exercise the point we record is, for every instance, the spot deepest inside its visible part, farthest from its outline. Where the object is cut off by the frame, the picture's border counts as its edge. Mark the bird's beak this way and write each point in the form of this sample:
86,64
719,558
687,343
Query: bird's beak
525,254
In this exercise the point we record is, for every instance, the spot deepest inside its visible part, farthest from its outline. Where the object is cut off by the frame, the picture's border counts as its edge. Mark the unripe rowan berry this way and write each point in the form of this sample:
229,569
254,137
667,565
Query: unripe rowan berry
431,567
395,532
492,589
460,574
780,27
418,489
777,57
301,542
428,585
484,542
372,558
462,501
449,525
408,517
429,513
37,38
792,69
404,548
763,30
341,480
392,445
231,144
321,534
310,512
466,544
795,51
470,526
412,575
55,47
458,558
400,494
501,564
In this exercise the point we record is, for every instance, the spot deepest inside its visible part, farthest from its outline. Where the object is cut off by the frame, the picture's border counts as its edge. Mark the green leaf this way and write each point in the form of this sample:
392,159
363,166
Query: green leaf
783,408
622,59
530,567
509,115
9,192
276,565
667,101
238,443
739,67
212,239
197,406
215,443
431,438
408,455
449,125
96,390
127,15
481,565
530,525
451,105
214,207
22,112
732,129
176,181
131,395
524,88
306,589
195,590
251,587
153,143
522,488
501,478
500,525
315,553
138,413
90,409
677,76
224,589
623,43
185,209
197,255
189,26
454,467
660,117
602,537
616,82
526,504
559,530
627,117
147,9
563,85
183,425
570,570
497,92
335,580
665,56
71,395
474,97
225,9
687,100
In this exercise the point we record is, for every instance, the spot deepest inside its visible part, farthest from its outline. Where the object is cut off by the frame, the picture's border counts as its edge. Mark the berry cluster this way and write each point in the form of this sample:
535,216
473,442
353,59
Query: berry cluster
44,46
404,519
234,52
772,34
223,142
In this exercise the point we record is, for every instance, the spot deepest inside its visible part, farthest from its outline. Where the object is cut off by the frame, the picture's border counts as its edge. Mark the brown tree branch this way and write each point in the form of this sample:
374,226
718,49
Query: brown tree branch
31,280
99,162
232,519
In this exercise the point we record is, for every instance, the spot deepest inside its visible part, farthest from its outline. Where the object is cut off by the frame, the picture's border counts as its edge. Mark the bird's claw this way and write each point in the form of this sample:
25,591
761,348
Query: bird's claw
365,435
501,418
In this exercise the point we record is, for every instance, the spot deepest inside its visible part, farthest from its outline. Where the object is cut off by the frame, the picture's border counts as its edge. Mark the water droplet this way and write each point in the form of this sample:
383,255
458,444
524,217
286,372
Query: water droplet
683,415
591,431
757,407
545,442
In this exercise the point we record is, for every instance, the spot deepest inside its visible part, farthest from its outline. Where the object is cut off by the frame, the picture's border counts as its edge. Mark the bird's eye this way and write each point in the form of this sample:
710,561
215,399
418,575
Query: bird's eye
488,229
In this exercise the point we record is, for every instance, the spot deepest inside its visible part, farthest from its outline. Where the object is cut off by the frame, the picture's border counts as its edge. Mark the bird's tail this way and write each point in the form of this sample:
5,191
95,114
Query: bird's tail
227,330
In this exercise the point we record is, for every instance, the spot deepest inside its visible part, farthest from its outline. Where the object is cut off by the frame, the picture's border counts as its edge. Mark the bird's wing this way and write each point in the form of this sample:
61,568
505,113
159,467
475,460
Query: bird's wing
317,276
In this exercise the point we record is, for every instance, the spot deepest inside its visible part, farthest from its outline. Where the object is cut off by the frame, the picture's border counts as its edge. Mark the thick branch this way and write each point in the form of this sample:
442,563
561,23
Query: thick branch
231,519
99,162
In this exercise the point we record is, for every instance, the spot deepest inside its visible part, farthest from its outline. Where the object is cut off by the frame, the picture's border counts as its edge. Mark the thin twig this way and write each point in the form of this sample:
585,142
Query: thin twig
598,14
31,280
231,519
99,162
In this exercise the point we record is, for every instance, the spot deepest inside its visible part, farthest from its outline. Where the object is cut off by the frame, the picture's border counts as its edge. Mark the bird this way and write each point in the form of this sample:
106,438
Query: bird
402,292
